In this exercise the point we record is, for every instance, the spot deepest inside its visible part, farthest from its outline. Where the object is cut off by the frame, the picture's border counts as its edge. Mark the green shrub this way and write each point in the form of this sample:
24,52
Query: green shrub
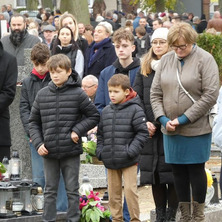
213,44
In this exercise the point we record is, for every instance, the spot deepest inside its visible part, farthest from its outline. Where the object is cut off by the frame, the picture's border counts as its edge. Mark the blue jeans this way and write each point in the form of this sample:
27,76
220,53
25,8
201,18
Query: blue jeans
38,177
126,215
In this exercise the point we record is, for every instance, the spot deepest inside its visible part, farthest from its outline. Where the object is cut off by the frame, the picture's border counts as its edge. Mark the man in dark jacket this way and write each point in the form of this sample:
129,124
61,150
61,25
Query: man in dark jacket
19,39
121,134
56,126
8,79
101,52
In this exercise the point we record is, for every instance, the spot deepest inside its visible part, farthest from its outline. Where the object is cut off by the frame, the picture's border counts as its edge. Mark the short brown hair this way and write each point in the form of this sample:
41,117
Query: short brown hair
59,61
122,34
182,30
140,30
119,80
40,54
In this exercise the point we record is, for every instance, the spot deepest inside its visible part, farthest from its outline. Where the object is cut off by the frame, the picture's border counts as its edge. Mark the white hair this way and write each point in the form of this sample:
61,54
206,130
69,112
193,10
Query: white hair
91,77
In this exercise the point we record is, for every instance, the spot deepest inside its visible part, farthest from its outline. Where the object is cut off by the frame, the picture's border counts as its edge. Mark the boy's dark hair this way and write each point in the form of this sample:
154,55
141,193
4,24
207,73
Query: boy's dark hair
140,30
121,33
120,80
40,54
59,61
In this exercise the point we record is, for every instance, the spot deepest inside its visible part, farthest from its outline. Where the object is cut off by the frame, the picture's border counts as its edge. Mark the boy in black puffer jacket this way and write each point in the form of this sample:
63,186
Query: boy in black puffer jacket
56,126
121,134
38,79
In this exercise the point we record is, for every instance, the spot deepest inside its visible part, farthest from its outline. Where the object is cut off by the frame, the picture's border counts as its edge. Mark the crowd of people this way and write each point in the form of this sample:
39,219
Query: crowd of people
128,78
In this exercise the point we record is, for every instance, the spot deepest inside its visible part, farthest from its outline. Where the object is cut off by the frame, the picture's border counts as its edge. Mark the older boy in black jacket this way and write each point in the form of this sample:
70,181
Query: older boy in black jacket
121,134
55,126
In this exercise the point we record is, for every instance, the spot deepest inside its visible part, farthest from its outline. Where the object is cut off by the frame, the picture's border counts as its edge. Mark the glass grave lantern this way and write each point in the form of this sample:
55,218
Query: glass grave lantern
15,166
25,195
37,199
86,187
6,199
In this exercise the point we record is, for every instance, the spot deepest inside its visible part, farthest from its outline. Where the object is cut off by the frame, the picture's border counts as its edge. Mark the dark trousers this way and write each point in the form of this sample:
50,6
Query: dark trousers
69,167
4,151
164,194
190,175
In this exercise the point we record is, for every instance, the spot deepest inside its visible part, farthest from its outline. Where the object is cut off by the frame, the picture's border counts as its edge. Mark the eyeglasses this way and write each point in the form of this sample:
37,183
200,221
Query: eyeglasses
155,43
88,87
181,47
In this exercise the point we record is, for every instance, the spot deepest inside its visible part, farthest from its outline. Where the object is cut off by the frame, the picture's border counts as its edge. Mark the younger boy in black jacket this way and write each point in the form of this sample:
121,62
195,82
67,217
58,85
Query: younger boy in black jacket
121,134
56,126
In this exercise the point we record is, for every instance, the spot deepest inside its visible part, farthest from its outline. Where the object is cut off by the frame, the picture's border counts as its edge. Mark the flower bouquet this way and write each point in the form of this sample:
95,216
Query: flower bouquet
89,147
92,210
2,170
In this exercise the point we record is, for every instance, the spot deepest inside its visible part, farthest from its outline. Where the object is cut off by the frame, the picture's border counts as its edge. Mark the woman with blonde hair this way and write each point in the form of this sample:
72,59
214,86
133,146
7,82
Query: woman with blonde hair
69,20
185,87
153,168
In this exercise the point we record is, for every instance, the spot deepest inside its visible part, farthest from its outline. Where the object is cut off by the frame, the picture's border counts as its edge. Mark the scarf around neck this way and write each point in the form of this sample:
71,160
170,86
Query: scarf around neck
154,64
95,48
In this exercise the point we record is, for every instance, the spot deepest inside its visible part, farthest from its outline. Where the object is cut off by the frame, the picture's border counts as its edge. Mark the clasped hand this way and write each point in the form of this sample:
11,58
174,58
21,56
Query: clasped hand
172,124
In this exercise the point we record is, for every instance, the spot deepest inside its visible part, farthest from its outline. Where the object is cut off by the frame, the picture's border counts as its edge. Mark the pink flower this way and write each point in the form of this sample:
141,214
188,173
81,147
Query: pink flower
100,207
83,204
93,196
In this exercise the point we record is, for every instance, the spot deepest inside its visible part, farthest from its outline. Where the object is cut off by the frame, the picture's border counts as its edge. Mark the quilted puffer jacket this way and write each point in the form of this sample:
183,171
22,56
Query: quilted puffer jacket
121,134
56,112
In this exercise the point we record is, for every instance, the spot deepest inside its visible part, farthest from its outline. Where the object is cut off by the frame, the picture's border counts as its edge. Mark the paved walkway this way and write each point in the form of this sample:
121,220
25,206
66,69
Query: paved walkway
145,192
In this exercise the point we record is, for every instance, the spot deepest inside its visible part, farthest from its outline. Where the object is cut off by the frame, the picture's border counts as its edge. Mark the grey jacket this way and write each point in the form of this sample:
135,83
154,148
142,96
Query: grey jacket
28,42
199,76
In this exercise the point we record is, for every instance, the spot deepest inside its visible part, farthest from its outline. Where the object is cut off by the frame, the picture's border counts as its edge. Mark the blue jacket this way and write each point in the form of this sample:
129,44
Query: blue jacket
105,57
102,95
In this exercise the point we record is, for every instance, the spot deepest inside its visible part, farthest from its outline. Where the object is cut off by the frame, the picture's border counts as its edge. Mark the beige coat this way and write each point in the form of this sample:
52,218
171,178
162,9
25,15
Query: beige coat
199,76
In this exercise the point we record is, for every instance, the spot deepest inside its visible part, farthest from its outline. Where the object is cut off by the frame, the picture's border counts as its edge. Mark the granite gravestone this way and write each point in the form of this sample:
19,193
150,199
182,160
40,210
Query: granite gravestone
19,139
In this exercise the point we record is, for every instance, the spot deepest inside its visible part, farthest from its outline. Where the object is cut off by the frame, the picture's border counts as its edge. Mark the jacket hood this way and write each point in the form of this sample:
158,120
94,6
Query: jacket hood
73,81
131,95
135,100
120,69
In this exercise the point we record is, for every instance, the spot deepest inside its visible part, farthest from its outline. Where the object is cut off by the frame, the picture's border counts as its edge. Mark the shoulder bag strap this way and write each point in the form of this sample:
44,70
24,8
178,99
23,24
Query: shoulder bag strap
187,93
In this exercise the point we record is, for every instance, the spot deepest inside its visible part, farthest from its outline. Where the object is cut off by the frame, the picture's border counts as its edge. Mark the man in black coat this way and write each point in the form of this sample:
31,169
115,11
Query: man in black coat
8,79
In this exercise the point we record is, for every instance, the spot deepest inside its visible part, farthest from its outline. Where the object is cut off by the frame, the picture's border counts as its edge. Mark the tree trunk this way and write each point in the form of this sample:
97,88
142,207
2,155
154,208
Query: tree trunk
160,6
79,8
129,8
32,5
99,6
220,6
47,4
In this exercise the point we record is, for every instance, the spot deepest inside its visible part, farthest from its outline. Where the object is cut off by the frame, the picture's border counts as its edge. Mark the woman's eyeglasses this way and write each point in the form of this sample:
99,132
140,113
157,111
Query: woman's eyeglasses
181,47
155,43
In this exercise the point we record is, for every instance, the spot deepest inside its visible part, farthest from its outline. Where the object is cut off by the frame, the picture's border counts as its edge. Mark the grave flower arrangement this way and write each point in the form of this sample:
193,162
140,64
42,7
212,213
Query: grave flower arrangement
91,208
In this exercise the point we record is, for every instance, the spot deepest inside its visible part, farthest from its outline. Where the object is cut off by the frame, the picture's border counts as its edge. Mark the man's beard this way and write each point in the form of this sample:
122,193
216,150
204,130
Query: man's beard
17,37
